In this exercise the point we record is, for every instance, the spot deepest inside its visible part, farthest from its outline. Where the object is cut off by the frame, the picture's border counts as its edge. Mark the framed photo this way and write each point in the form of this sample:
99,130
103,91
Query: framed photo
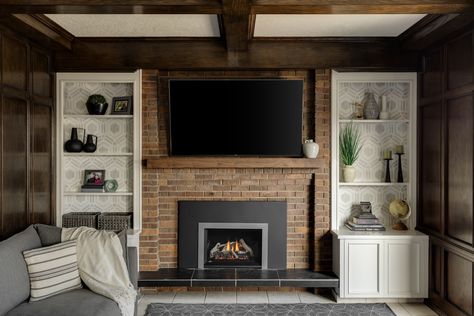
94,177
122,105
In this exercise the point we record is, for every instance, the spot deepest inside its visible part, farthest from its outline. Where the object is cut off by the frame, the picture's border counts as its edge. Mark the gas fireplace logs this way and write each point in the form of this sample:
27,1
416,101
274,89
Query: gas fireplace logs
235,250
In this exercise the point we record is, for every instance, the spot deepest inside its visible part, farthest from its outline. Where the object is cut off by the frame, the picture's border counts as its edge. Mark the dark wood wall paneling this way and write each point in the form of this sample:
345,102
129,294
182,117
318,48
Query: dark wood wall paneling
446,170
26,122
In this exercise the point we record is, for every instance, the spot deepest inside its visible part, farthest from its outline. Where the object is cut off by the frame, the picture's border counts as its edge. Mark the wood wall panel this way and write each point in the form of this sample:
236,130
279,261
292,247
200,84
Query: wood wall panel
26,151
459,195
430,169
15,63
459,62
14,139
459,282
446,211
432,74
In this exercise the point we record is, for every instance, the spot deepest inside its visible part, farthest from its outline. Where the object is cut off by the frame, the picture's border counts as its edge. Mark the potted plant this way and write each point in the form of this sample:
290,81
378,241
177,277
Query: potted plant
349,148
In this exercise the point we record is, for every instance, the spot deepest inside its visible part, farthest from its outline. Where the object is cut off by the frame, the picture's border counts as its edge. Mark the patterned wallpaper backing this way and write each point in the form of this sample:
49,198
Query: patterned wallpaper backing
376,137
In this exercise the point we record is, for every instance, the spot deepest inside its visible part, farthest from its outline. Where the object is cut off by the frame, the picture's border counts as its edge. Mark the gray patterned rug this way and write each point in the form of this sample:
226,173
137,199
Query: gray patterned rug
270,309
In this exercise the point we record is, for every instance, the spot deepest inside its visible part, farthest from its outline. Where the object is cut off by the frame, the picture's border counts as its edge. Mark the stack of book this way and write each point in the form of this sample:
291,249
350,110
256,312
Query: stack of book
92,188
365,222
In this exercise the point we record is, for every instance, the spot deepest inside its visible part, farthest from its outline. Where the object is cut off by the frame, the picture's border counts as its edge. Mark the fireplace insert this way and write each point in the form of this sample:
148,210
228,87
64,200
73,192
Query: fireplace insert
233,245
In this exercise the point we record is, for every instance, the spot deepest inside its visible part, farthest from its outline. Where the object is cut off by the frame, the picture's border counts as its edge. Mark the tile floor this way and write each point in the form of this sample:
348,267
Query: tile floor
400,309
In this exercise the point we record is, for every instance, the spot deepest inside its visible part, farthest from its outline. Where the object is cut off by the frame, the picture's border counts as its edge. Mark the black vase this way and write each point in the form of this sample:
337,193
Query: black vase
90,146
96,105
74,145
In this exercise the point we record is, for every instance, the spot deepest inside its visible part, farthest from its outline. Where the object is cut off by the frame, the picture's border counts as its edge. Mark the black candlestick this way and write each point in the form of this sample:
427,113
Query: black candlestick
400,171
387,171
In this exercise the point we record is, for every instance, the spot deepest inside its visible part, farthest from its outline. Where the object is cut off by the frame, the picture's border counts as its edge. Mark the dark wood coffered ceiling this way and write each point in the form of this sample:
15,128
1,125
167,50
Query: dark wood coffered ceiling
237,47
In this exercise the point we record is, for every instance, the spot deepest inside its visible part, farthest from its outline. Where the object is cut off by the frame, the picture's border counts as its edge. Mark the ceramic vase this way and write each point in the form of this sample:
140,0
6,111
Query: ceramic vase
91,144
371,108
310,149
348,173
74,145
384,115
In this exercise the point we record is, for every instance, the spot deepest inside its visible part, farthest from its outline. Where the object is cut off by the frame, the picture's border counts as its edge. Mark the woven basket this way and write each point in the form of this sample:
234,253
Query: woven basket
115,221
77,219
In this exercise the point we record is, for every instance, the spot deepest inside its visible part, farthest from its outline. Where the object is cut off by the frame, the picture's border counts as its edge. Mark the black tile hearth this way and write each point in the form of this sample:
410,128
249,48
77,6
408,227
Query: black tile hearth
257,278
238,277
213,277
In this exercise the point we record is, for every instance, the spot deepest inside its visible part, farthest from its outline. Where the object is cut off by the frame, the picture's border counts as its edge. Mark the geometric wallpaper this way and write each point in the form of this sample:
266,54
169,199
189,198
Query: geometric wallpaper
114,136
375,138
76,94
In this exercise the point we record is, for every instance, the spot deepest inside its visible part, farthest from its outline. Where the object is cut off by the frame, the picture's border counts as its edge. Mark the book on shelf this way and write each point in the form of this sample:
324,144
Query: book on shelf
366,229
365,221
354,226
92,188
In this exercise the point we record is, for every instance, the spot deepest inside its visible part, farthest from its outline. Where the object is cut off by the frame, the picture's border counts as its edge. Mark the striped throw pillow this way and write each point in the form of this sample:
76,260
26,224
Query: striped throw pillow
52,270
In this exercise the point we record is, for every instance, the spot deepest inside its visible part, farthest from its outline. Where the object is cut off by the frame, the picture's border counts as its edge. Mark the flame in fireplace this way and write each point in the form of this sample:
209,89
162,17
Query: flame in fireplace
227,248
236,247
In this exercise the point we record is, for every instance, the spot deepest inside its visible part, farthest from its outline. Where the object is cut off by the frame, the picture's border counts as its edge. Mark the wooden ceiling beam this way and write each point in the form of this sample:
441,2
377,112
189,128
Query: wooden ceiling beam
236,24
216,6
126,55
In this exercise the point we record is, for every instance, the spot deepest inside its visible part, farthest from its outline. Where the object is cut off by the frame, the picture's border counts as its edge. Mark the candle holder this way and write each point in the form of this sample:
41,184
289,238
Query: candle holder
400,171
387,170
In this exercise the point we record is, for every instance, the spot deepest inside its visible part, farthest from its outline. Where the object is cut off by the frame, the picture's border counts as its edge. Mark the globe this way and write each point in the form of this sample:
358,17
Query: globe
400,210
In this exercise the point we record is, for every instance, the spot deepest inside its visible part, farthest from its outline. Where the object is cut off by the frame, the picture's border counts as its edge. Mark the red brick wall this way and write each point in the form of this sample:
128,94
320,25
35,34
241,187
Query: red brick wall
305,190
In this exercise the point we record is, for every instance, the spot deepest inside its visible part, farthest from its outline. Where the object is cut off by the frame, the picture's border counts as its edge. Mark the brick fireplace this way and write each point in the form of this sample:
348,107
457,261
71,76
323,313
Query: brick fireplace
305,190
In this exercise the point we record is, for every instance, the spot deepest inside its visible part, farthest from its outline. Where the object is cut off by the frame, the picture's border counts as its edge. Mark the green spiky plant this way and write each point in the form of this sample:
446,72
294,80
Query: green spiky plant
349,144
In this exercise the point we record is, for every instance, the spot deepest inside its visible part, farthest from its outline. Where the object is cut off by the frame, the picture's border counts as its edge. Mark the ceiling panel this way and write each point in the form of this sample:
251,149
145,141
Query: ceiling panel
138,25
337,25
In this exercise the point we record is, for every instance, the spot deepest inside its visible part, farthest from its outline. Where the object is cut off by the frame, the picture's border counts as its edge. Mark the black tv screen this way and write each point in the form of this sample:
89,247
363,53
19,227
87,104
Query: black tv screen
236,117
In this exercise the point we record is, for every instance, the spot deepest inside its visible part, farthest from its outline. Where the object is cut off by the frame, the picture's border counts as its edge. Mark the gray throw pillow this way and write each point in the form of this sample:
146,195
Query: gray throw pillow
14,279
49,235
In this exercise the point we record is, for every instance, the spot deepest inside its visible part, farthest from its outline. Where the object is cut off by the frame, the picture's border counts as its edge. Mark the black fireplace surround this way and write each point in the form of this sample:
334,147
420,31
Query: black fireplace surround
240,233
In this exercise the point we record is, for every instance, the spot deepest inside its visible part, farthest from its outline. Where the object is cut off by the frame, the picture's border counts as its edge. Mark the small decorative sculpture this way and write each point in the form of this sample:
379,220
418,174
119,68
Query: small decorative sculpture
371,108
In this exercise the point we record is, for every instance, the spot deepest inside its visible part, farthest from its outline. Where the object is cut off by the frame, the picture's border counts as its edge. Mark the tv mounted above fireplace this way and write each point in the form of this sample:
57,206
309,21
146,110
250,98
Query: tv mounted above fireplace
236,117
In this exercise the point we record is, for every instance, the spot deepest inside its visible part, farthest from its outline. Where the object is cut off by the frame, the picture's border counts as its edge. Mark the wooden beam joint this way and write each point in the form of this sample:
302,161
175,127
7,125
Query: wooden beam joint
236,24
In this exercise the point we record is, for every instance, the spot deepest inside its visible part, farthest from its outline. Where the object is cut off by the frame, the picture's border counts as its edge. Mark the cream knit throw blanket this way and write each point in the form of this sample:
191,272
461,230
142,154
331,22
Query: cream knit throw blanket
101,265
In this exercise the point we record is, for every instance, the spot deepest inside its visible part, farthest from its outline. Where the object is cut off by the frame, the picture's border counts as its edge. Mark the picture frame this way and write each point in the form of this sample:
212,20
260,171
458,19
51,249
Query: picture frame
94,178
122,105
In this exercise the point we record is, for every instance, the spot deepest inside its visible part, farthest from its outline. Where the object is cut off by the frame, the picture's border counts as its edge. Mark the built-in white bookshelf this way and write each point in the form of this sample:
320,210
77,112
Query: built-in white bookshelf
118,146
377,136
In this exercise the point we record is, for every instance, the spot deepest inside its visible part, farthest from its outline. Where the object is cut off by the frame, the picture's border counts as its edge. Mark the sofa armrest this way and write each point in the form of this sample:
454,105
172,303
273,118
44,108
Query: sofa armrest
133,265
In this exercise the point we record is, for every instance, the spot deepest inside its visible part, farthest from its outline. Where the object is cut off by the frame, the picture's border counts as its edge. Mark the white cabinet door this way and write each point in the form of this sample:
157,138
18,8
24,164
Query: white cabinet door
406,268
363,268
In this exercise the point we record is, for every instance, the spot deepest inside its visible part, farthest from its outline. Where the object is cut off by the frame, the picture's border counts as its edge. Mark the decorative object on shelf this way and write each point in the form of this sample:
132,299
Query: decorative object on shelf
358,111
399,152
91,144
77,219
387,156
96,104
93,181
349,147
122,105
310,149
371,108
111,185
384,114
365,221
401,211
74,145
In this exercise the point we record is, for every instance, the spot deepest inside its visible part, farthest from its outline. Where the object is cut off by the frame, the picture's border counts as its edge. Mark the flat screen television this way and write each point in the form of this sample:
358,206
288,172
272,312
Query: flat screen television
236,117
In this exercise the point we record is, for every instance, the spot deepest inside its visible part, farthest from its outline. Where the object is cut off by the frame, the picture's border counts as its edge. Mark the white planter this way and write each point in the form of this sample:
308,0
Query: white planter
310,149
348,173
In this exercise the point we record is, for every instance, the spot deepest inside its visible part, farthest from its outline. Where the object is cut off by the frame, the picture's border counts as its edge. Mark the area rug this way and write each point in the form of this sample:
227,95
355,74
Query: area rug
270,309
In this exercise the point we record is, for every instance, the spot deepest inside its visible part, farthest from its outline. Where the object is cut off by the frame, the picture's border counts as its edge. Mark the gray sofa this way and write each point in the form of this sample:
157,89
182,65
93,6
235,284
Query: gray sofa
15,284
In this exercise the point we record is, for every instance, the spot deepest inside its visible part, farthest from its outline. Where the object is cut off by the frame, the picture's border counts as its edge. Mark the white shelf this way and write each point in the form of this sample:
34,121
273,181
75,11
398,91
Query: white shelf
99,193
107,116
374,121
372,184
97,154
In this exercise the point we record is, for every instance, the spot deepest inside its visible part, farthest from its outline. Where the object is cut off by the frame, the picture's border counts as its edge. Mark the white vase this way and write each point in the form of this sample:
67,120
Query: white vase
310,149
348,173
384,115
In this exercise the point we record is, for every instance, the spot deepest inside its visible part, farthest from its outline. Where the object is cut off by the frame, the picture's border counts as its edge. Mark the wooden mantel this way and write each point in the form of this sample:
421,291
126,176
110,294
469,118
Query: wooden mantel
230,162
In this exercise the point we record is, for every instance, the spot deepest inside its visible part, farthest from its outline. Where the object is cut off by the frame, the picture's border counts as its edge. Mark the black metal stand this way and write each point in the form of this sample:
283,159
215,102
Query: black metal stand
387,170
400,171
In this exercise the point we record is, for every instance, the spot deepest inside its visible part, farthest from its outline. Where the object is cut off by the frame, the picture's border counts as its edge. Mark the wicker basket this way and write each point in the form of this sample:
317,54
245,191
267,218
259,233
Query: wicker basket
77,219
115,221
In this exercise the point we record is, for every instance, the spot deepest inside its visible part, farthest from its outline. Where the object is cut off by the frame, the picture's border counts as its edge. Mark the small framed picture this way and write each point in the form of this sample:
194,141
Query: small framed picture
122,105
94,177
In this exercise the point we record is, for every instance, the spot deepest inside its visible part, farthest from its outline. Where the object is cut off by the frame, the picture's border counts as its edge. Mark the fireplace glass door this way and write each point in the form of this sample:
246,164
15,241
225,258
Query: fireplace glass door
233,248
